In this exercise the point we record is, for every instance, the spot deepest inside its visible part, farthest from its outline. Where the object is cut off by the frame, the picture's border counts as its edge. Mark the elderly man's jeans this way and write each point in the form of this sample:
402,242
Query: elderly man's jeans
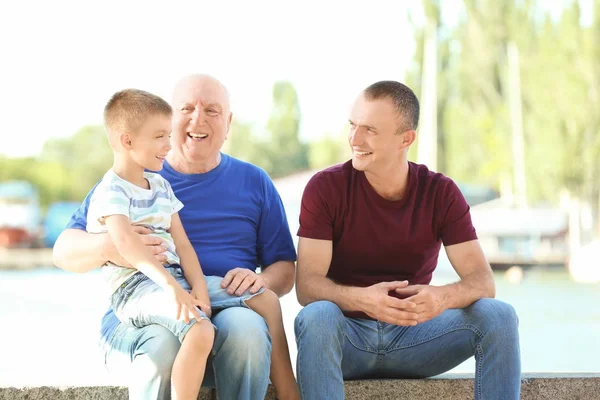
332,348
239,364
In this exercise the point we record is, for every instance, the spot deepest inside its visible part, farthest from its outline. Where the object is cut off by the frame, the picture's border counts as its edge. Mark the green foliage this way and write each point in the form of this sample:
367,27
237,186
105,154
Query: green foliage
560,87
280,152
86,156
559,70
287,153
66,169
329,150
242,144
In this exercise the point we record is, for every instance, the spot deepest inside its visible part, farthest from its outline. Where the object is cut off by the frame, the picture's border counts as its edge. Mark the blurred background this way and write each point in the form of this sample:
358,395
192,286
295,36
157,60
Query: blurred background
510,96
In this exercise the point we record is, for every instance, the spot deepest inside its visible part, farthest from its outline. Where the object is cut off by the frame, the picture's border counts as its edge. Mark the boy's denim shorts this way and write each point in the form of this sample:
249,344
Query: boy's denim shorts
140,302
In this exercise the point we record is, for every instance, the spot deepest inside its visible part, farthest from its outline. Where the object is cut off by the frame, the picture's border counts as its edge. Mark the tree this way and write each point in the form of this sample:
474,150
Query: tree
559,69
329,150
287,153
86,156
243,144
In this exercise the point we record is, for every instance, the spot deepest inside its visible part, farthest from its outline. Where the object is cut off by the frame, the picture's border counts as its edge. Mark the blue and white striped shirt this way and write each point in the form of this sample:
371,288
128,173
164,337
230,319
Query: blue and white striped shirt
151,208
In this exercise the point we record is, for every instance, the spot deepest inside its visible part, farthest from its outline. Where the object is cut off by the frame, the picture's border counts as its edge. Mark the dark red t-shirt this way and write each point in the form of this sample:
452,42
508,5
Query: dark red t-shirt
377,240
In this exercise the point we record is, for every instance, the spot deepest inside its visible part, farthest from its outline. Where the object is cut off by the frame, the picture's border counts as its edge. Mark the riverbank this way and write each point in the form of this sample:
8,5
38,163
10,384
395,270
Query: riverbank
25,259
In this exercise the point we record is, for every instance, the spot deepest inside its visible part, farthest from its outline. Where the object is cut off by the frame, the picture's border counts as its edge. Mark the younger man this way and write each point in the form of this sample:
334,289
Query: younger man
370,234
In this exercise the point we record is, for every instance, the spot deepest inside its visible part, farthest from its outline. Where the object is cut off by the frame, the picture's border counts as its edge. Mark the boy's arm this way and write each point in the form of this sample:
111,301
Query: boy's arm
187,254
190,264
132,249
78,251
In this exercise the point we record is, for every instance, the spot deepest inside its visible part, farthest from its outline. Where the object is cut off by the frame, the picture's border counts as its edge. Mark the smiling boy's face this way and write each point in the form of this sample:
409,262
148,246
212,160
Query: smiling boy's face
151,142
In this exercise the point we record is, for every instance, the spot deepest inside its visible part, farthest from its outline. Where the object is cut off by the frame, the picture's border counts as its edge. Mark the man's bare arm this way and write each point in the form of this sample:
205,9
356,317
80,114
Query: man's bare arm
476,277
279,277
312,284
79,251
476,282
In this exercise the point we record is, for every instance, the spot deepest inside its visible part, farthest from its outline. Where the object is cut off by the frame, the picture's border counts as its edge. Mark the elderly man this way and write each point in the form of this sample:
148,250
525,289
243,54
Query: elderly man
236,222
370,234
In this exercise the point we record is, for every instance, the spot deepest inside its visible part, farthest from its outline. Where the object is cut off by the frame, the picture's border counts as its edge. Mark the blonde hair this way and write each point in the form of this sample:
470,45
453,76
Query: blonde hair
128,109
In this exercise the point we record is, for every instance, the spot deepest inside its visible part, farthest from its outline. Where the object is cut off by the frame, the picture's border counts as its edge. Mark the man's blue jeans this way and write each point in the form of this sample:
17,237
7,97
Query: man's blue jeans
239,365
332,348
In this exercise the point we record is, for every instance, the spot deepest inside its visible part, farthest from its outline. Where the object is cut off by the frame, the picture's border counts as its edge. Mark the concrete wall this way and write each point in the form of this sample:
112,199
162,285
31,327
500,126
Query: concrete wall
446,387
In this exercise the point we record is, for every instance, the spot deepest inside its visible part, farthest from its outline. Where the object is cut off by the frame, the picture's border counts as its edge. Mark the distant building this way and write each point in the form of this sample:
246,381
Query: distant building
521,236
477,194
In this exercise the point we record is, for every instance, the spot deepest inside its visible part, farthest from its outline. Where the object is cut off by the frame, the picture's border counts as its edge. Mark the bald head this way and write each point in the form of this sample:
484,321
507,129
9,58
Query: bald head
201,85
201,122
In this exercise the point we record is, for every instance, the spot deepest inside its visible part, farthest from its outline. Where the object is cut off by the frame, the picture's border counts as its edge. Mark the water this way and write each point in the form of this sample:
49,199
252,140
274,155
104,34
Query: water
49,319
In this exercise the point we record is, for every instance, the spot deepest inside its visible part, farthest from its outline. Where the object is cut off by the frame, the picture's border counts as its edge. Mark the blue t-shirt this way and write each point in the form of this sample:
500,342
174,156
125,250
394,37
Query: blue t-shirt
233,216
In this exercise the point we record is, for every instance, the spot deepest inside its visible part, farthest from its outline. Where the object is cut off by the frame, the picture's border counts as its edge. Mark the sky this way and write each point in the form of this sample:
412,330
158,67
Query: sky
63,60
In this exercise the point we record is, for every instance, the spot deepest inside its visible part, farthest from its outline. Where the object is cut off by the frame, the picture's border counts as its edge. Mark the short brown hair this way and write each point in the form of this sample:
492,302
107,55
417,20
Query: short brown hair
404,99
127,109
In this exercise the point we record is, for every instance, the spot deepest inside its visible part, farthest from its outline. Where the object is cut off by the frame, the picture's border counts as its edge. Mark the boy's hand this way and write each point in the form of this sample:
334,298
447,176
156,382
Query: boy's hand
186,304
202,300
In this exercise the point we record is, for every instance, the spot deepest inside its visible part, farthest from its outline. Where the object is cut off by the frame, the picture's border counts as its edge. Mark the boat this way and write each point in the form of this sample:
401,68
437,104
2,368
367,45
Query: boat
20,214
522,236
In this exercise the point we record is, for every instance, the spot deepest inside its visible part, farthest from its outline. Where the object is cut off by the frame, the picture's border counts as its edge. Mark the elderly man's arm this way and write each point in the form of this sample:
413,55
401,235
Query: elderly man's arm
312,284
275,249
279,277
78,251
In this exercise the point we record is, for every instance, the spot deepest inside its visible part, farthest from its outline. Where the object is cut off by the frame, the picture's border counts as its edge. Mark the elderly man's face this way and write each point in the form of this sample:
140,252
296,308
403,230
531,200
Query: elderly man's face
201,119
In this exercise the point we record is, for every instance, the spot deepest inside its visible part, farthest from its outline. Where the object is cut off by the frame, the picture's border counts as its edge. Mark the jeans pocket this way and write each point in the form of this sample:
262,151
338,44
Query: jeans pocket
125,290
129,286
117,299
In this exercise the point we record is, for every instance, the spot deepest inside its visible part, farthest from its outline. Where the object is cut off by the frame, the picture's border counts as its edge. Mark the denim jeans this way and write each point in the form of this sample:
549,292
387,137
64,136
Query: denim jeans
238,366
332,347
140,301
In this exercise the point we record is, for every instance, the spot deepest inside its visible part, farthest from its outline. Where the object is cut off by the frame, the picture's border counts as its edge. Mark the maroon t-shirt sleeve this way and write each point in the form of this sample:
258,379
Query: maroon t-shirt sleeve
316,221
456,226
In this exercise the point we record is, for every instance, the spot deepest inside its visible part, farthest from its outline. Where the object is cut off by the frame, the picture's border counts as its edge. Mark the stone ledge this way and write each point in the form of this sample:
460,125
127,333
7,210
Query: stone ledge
573,386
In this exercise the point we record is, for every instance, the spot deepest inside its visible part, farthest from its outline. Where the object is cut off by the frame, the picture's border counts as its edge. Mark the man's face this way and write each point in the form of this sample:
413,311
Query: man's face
150,144
373,136
201,119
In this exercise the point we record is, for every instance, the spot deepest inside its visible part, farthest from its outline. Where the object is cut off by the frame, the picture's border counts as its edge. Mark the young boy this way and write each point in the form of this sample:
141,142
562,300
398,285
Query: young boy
176,295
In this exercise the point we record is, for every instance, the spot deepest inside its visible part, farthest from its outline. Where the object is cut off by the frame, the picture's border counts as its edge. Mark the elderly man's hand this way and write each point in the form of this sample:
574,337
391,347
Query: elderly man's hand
238,280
